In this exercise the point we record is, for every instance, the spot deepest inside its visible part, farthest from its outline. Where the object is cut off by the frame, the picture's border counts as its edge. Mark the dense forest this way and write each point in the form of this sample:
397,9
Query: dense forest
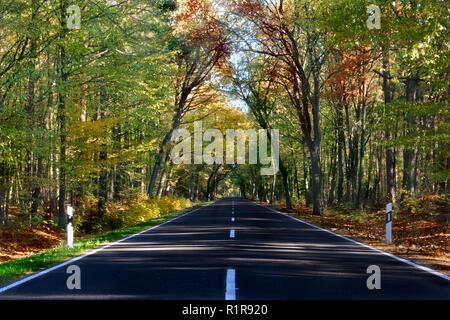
91,92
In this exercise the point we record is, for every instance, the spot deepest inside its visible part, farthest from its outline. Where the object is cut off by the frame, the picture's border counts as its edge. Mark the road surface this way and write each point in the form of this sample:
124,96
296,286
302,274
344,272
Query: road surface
233,249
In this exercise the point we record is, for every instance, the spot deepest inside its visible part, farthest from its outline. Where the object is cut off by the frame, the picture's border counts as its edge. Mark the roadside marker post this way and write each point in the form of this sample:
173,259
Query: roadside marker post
70,227
389,223
191,202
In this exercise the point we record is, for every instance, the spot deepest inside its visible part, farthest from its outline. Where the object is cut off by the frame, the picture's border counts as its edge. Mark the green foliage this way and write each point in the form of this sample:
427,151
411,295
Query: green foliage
421,206
129,211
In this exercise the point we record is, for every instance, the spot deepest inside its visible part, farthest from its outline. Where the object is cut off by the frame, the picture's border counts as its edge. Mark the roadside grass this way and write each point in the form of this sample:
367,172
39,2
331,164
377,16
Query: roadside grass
14,269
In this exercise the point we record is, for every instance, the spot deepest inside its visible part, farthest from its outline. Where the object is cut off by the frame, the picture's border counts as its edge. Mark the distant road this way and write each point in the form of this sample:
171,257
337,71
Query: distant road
233,249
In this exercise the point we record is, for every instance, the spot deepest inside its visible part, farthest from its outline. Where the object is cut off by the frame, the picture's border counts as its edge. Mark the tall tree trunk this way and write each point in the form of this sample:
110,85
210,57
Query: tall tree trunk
362,150
390,166
332,174
340,149
315,150
163,177
210,184
369,191
62,117
408,154
162,147
306,179
316,178
162,183
379,177
297,184
103,156
284,175
349,165
35,185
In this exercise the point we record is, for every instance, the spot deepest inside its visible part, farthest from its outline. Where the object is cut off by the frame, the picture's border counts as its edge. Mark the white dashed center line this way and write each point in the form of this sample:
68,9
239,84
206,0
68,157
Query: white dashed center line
230,291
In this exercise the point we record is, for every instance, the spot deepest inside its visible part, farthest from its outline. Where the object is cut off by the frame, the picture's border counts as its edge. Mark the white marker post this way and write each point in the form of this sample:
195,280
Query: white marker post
192,205
389,223
70,227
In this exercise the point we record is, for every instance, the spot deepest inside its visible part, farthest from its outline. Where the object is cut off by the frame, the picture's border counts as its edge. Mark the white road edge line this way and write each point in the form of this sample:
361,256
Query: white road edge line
423,268
232,233
41,273
230,290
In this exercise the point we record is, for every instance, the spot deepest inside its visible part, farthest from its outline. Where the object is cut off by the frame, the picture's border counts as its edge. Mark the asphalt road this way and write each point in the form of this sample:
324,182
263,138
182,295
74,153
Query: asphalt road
260,255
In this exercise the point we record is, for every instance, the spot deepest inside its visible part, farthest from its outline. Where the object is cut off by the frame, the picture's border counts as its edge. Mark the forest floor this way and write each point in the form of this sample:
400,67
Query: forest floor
420,233
17,243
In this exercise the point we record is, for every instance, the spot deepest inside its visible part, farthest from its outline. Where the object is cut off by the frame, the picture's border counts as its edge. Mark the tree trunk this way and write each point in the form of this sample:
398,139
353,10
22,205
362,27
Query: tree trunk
35,188
103,179
62,119
332,174
306,179
408,154
316,178
349,163
362,150
340,149
390,169
162,147
297,184
284,174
